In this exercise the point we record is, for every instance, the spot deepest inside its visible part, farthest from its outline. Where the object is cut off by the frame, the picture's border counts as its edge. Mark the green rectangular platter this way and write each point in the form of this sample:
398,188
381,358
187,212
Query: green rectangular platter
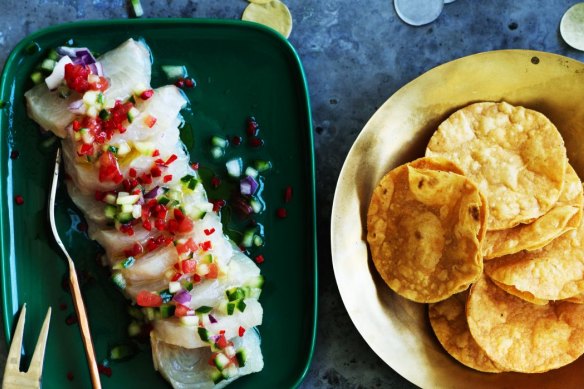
241,69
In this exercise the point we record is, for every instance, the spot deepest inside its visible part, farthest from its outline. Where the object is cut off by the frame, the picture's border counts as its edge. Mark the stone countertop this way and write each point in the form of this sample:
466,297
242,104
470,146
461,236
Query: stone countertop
356,54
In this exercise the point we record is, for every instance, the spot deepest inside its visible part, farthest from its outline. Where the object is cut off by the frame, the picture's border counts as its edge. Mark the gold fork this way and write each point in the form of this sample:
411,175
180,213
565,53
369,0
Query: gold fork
74,283
13,377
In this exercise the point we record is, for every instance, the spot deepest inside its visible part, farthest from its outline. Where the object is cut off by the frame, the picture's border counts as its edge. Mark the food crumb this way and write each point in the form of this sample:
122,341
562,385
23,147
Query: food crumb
14,154
19,200
281,213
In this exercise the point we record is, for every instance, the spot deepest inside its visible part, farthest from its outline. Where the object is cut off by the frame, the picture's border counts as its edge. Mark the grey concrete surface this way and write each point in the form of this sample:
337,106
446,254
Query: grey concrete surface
356,53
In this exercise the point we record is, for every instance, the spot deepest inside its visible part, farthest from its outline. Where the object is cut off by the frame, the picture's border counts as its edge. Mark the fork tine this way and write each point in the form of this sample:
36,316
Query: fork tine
13,361
36,364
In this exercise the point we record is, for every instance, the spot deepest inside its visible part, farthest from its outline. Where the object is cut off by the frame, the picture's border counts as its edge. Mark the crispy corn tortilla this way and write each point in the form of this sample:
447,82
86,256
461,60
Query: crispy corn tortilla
424,228
522,295
565,215
524,337
554,272
515,155
448,320
273,14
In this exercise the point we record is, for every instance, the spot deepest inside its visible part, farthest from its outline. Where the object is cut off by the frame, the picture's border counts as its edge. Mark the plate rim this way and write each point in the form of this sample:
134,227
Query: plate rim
304,101
343,172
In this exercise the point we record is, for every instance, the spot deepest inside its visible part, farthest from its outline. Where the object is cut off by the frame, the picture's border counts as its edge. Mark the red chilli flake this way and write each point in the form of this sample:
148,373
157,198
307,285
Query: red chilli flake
215,182
19,200
167,178
256,142
156,153
209,232
14,154
241,331
71,319
107,371
288,194
281,213
189,83
259,259
147,94
171,159
252,126
195,166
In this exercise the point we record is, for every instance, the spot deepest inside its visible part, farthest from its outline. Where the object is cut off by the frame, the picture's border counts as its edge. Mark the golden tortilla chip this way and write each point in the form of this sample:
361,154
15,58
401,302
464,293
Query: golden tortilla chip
522,295
564,216
424,228
554,272
515,155
273,14
448,320
523,337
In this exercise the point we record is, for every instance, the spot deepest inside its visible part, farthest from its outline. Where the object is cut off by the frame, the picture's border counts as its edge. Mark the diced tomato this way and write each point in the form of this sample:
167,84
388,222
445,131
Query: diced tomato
185,226
147,225
76,125
196,278
146,94
171,159
148,299
85,149
134,251
155,171
178,215
180,310
213,271
172,226
221,342
188,266
195,166
206,245
149,121
109,170
167,178
211,360
176,277
259,259
132,172
241,331
188,247
76,77
160,224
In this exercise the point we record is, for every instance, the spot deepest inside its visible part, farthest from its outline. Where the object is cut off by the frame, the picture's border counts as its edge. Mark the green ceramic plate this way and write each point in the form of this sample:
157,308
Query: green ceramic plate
241,69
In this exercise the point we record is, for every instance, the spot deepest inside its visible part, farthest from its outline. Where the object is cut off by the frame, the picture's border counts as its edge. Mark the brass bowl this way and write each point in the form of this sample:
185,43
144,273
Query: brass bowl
397,329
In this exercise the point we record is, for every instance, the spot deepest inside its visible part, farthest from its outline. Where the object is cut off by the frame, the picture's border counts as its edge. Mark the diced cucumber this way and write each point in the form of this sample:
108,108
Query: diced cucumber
241,305
262,166
144,148
110,212
247,238
134,329
36,77
127,208
132,114
92,112
256,204
86,136
203,309
230,308
229,372
124,217
174,195
48,65
203,334
163,200
250,171
217,152
174,286
206,259
53,55
127,200
139,89
258,240
121,352
166,310
241,356
174,71
149,313
258,282
187,285
123,149
104,114
234,167
90,97
219,141
235,294
229,351
190,321
110,198
119,280
136,211
217,377
221,361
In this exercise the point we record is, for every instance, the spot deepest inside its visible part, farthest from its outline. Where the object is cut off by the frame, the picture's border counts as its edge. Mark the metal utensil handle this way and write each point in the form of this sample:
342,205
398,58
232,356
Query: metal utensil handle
74,284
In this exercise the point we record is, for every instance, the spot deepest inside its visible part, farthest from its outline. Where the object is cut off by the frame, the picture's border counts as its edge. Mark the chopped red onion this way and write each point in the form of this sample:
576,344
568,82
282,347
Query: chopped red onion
182,297
157,191
96,68
212,319
77,107
248,185
79,55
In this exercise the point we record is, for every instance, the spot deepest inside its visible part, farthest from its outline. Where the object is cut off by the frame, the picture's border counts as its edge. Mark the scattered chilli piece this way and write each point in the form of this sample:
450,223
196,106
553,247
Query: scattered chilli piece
288,194
19,200
195,166
189,83
252,127
156,153
254,141
236,140
71,319
241,331
215,182
218,204
14,154
105,370
259,259
70,376
208,231
167,178
147,94
281,213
